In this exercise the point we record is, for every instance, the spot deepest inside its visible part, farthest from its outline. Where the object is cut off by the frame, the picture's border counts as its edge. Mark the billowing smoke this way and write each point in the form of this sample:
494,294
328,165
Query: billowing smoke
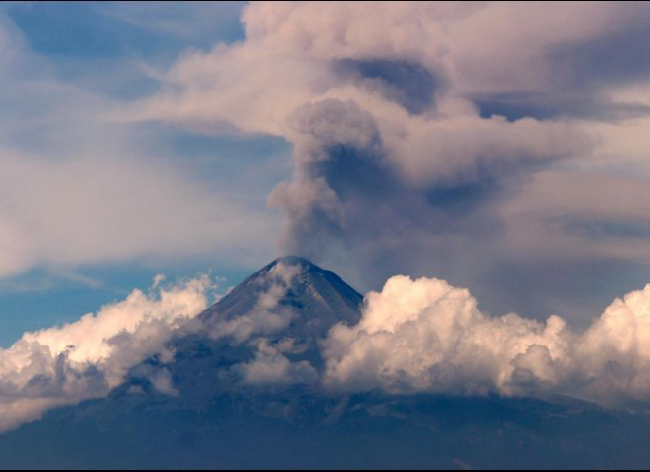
426,335
88,358
371,104
420,129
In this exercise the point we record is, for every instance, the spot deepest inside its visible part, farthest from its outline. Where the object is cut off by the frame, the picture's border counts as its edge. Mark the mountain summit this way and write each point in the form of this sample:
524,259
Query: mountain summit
315,298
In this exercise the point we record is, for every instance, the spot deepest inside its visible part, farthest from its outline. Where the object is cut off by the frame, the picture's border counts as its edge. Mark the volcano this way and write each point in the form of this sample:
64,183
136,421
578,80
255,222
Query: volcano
318,298
273,321
243,390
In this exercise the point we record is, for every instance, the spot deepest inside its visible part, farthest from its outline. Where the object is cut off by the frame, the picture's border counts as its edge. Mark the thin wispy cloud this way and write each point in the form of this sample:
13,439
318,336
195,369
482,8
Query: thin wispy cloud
78,191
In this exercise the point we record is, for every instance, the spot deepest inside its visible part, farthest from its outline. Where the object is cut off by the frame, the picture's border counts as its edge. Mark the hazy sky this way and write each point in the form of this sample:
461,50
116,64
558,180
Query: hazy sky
497,146
91,208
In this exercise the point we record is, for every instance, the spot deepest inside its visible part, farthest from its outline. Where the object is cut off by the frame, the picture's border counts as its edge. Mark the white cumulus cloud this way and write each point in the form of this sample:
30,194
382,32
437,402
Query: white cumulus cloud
426,335
87,358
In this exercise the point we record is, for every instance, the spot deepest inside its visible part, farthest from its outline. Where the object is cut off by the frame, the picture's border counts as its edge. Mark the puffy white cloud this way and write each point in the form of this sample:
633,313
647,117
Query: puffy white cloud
89,357
426,335
271,367
614,352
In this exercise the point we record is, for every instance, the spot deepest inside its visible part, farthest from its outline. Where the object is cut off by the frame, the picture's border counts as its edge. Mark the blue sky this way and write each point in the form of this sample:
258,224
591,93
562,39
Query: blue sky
103,49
